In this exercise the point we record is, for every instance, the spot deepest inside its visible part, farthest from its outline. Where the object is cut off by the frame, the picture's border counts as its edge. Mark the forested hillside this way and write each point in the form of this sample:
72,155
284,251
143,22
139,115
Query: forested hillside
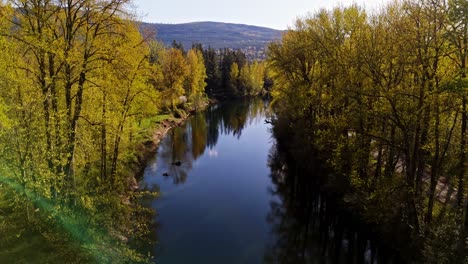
252,40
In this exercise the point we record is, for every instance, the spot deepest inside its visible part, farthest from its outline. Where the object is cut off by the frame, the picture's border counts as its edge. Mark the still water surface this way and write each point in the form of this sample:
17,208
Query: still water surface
230,200
213,208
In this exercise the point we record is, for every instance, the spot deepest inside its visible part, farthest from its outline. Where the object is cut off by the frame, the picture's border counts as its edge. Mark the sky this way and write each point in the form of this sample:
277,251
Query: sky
278,14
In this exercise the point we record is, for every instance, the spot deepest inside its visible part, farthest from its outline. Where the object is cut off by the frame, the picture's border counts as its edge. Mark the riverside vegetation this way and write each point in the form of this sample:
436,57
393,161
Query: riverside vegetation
381,99
81,90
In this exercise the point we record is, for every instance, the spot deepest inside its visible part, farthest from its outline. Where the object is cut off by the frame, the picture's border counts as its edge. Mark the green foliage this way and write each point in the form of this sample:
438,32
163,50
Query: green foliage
80,92
443,245
195,81
382,99
230,75
248,80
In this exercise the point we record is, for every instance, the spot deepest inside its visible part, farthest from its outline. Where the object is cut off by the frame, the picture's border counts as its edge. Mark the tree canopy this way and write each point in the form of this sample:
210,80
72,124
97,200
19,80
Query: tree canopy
78,84
382,98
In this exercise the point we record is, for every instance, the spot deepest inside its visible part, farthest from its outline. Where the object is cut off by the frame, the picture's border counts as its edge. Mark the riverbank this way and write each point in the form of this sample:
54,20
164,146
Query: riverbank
146,150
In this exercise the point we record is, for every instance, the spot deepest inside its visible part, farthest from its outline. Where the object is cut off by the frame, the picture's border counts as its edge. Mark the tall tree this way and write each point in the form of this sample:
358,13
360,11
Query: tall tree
195,83
174,69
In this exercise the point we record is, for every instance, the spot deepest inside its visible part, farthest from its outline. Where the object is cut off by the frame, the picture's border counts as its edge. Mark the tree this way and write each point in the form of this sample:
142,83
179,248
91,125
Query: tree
75,91
457,33
212,71
195,83
381,99
174,70
234,77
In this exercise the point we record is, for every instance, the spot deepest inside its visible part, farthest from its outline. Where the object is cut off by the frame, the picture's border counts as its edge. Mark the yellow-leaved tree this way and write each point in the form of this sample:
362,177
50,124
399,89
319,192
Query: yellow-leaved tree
76,81
195,82
174,69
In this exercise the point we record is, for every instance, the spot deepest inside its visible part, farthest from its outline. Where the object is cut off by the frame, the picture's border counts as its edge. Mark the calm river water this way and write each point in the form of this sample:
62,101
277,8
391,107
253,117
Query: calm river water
225,197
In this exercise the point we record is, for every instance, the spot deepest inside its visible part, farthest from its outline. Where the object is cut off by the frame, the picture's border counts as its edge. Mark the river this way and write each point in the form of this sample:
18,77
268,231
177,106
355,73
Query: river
227,195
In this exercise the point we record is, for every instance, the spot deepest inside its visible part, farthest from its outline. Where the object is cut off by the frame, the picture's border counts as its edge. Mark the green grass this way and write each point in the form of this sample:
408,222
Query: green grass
149,123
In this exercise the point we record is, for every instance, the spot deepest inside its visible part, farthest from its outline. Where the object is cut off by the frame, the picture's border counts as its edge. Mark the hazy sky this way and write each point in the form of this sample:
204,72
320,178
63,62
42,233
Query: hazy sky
270,13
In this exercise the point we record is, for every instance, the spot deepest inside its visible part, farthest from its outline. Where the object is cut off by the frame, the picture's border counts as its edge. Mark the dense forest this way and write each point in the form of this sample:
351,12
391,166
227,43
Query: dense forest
81,91
381,99
228,73
231,75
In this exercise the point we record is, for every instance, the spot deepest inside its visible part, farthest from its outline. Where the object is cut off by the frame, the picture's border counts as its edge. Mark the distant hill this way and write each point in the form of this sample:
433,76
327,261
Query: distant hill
250,39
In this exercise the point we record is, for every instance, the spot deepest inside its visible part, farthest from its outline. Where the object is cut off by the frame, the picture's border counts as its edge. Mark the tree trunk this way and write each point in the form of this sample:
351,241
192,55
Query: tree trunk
435,165
422,153
118,135
389,165
69,167
103,139
462,161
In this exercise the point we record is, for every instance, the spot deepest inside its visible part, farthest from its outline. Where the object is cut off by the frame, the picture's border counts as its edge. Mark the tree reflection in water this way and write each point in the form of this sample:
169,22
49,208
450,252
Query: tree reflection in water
308,224
187,143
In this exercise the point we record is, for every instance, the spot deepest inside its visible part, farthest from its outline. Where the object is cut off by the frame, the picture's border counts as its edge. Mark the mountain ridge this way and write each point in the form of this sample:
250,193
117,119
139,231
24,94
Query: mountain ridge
251,39
213,22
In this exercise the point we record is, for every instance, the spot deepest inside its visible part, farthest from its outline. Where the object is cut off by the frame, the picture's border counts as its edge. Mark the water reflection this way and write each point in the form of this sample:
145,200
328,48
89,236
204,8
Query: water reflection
213,179
187,143
309,225
230,118
231,195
